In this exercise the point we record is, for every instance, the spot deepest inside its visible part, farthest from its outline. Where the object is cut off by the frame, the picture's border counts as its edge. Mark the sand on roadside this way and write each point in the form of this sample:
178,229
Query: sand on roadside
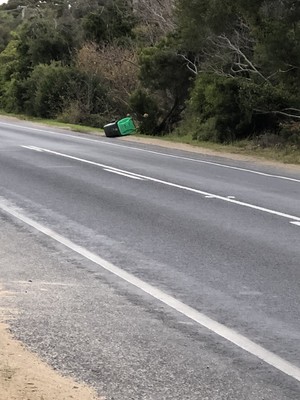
23,376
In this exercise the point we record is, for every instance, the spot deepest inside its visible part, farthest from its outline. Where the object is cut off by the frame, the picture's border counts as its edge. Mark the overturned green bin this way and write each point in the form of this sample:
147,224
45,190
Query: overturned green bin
126,126
122,127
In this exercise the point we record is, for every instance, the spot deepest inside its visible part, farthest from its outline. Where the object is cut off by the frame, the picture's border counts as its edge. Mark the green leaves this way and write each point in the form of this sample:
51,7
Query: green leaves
112,22
229,68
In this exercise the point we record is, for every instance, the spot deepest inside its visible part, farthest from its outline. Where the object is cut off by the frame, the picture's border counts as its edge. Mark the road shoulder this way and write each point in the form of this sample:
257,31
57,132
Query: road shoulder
24,376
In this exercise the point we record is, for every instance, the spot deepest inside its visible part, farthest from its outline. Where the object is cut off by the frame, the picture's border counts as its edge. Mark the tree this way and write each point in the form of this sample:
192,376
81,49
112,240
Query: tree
165,73
117,67
155,19
7,24
113,21
43,41
11,97
255,43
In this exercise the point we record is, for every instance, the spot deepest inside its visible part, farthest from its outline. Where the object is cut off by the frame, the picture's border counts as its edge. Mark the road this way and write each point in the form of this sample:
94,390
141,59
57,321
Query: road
152,273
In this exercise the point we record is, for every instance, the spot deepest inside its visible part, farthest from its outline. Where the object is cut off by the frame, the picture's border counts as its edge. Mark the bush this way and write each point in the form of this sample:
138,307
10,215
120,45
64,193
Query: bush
74,114
290,133
222,109
54,89
146,110
11,97
48,89
216,110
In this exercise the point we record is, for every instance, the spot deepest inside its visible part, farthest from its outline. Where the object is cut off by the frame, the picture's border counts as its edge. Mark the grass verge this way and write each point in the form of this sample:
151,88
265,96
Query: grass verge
55,123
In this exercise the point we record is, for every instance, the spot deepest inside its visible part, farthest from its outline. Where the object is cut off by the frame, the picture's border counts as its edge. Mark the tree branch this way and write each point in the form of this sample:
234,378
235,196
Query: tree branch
192,66
285,114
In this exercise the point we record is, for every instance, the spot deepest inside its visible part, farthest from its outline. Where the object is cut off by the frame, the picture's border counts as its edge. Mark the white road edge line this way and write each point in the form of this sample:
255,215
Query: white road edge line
212,195
123,174
157,153
200,318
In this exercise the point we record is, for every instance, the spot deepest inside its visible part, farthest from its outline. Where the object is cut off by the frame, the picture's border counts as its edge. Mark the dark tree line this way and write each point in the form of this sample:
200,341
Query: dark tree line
220,70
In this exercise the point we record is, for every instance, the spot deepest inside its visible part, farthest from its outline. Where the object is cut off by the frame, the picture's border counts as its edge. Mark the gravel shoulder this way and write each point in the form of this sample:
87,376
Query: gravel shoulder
24,376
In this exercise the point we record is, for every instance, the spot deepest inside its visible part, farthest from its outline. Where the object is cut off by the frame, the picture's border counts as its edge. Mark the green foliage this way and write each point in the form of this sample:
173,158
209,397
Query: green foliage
146,111
12,96
52,88
224,110
199,19
48,89
251,51
7,25
290,134
86,101
11,92
43,42
113,21
229,70
216,108
163,69
94,27
164,73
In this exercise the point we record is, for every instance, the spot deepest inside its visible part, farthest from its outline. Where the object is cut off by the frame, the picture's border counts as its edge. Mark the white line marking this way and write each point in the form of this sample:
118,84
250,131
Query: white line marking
123,174
33,148
212,195
200,318
158,153
295,223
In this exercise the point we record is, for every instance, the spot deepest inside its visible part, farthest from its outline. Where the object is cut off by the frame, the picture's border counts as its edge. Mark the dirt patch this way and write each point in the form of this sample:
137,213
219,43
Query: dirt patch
24,377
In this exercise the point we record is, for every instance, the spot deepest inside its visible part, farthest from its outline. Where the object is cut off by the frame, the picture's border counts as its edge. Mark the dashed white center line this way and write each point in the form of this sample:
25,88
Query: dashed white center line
158,153
123,174
174,185
33,148
295,223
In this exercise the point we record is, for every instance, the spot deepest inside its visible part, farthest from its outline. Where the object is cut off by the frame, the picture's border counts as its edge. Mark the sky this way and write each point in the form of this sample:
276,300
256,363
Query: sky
3,1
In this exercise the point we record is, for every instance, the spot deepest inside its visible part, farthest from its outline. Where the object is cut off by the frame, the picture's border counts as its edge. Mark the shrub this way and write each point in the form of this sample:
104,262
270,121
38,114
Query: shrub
75,114
48,88
53,88
216,110
146,110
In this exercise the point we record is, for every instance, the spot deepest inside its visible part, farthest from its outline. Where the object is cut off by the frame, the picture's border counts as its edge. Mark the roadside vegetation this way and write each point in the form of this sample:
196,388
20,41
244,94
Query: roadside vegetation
216,73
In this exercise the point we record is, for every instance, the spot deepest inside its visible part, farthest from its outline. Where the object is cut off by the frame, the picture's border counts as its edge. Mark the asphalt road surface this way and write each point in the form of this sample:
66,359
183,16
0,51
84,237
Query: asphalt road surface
151,273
